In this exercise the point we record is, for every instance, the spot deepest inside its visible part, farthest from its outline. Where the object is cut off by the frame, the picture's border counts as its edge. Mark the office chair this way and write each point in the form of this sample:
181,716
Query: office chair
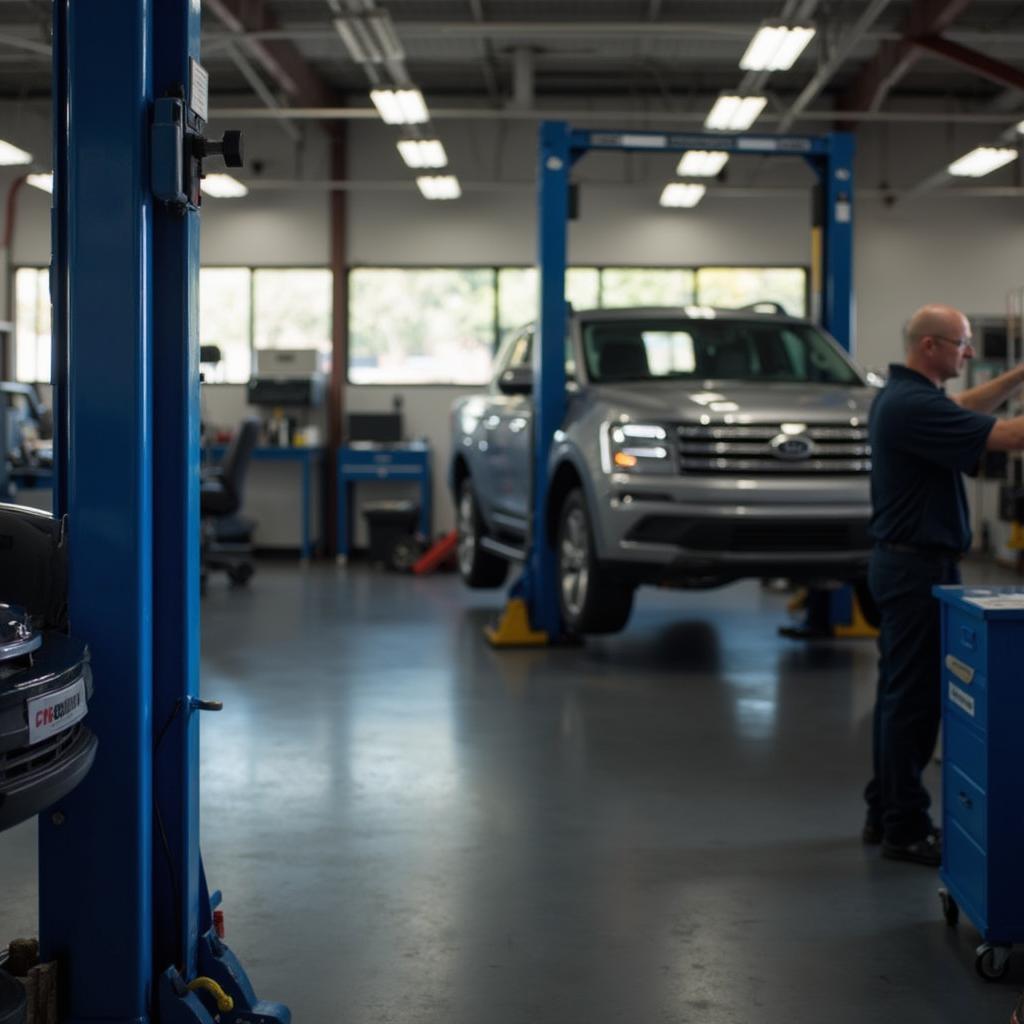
226,536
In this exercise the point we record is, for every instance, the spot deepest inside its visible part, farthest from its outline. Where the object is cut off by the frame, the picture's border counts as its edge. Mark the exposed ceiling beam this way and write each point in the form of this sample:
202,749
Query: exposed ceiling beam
682,119
528,187
895,58
259,87
23,43
505,30
843,48
487,61
280,58
980,63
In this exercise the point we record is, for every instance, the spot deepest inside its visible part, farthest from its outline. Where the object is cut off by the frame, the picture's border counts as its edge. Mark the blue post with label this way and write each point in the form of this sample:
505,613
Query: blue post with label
135,938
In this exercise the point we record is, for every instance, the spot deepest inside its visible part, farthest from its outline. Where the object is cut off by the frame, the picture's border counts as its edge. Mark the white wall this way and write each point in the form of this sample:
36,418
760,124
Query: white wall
969,252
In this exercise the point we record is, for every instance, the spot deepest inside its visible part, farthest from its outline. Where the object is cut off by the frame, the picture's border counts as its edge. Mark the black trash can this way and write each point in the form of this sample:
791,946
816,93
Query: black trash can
13,1004
389,522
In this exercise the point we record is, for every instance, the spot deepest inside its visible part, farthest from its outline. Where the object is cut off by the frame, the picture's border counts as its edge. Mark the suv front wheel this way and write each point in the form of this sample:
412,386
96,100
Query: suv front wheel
590,601
477,566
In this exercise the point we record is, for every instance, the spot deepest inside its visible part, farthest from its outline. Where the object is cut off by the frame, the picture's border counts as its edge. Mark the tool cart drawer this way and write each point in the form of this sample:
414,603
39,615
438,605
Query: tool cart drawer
965,749
966,804
966,638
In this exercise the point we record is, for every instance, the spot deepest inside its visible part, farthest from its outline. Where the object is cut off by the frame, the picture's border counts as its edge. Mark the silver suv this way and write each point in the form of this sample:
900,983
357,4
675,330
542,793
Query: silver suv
699,446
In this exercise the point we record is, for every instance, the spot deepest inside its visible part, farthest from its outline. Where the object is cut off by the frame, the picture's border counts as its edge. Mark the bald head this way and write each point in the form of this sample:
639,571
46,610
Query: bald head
934,321
938,340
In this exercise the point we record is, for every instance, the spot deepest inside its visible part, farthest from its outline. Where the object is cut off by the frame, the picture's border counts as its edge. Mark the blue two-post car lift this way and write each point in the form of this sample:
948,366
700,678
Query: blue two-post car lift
124,907
532,615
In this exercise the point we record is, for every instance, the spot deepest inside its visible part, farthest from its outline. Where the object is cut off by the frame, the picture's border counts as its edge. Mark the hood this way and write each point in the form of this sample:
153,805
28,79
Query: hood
747,401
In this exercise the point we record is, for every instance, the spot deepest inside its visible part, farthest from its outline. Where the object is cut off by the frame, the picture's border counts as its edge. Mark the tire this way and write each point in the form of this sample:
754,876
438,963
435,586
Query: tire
590,600
478,568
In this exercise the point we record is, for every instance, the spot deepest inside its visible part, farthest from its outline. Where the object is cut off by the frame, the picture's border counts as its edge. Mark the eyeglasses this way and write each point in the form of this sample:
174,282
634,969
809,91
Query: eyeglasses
961,343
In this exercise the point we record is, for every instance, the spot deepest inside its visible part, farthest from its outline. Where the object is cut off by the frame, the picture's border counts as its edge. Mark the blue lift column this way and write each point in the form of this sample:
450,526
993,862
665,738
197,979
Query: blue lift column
124,907
532,615
95,861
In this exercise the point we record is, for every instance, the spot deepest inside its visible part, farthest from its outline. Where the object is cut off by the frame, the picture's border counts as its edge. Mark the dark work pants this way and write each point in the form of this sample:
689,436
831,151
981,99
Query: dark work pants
907,706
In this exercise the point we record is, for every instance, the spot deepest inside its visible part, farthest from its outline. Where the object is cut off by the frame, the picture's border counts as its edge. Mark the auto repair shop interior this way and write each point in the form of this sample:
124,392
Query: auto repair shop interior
436,466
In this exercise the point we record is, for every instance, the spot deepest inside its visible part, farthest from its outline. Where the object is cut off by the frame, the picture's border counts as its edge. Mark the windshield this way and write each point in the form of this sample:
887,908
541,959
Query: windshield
755,350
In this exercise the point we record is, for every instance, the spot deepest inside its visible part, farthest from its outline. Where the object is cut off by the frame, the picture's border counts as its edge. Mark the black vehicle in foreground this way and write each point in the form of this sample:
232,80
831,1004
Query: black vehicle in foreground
46,748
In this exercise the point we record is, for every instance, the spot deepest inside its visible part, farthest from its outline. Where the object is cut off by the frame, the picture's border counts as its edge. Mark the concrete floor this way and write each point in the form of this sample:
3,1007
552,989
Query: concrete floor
657,828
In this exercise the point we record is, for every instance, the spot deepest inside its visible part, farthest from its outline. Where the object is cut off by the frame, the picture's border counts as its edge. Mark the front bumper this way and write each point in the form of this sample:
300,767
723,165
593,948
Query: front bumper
35,775
652,535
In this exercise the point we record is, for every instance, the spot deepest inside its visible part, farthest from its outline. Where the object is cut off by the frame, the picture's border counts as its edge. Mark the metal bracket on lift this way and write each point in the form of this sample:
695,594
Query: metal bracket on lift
179,145
217,962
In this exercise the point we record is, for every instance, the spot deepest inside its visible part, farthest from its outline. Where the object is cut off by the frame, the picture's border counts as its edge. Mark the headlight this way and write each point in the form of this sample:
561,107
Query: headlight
636,448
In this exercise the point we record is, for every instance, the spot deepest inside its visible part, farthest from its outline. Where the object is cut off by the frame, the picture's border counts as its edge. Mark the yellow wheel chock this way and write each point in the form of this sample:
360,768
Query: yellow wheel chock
513,628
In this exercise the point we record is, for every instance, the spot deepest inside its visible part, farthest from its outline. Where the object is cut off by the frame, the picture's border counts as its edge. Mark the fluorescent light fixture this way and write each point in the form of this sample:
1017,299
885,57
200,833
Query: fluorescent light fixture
678,193
439,186
734,113
701,163
370,38
41,181
776,47
423,153
400,106
981,161
223,186
10,155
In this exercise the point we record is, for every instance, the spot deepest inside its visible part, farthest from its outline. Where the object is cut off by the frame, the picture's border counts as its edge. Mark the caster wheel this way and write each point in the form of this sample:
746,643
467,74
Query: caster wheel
950,911
992,962
240,574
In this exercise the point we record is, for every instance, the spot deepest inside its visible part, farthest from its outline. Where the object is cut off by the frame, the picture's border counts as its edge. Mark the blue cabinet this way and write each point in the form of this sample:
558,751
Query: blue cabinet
365,460
982,792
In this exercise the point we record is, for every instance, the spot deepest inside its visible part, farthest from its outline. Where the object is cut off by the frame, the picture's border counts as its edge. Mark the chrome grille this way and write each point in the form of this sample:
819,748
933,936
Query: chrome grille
747,449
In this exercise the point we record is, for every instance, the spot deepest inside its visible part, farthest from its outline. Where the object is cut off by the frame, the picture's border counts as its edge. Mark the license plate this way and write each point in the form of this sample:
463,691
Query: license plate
54,712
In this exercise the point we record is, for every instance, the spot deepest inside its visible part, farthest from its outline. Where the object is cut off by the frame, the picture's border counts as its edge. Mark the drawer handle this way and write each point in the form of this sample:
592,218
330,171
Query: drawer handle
960,669
966,800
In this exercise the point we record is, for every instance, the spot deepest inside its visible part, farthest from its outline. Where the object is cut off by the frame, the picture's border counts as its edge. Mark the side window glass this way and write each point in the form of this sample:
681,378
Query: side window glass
521,352
570,359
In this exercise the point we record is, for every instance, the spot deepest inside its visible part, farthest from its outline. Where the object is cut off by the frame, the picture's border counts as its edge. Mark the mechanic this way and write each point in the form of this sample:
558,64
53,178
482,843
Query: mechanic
922,442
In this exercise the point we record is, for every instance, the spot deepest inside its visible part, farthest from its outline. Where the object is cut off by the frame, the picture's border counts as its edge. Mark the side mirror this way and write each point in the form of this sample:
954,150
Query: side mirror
516,381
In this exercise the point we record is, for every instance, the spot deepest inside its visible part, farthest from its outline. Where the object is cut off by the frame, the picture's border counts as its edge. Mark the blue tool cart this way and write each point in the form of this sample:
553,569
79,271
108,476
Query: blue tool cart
982,722
365,460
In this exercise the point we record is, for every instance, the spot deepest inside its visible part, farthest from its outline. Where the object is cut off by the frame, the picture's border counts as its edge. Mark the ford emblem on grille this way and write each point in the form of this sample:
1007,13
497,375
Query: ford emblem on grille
790,448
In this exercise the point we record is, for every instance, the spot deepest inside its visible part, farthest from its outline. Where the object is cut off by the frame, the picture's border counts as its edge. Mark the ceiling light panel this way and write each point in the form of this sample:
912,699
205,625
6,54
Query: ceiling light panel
223,186
776,47
400,106
733,113
679,193
981,161
12,155
439,186
423,153
41,181
699,163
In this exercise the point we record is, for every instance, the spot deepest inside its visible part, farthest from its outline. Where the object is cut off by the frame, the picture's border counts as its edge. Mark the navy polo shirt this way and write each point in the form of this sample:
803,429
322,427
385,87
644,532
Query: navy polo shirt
922,443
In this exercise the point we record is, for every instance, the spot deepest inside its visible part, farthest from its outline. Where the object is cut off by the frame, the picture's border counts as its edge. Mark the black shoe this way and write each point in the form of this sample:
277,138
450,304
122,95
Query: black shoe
871,834
927,851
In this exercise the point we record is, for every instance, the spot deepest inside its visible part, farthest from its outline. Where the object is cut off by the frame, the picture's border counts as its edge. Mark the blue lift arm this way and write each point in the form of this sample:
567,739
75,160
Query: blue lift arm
561,146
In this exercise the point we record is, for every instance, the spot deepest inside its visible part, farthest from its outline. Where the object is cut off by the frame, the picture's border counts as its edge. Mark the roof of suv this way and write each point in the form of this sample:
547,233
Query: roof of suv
691,312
